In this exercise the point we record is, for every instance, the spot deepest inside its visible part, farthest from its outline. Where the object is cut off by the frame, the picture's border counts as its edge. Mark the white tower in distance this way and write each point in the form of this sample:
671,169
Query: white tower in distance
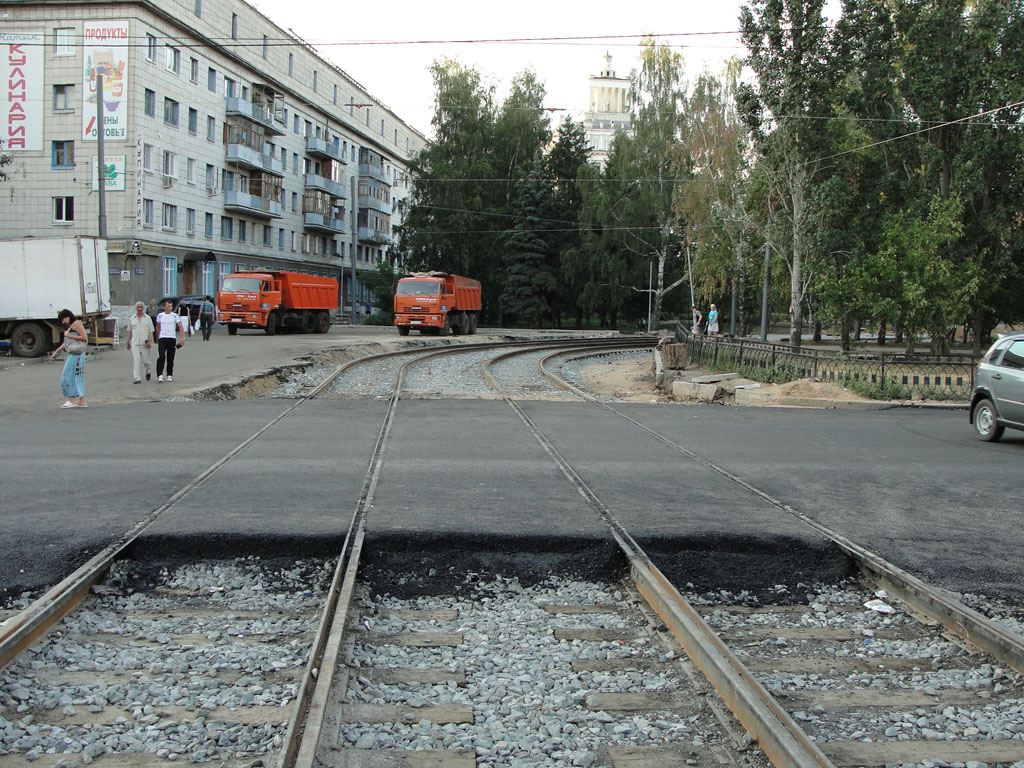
608,110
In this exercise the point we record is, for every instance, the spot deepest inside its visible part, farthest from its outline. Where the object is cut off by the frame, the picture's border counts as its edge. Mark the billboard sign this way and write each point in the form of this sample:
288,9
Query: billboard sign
105,52
114,173
21,90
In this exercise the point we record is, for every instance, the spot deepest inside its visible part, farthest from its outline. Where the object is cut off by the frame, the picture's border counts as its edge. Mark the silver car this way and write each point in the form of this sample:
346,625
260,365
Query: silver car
998,398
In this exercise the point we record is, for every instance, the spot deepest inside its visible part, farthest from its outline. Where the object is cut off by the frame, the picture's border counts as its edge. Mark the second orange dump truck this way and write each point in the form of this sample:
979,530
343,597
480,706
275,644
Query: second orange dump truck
437,302
277,300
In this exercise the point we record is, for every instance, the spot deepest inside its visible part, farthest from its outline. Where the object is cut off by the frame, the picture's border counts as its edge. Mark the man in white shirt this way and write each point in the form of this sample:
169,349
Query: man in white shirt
140,341
170,338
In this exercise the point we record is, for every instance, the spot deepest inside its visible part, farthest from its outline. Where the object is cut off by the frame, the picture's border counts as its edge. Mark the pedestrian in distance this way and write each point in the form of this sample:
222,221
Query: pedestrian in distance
170,338
140,342
206,316
153,311
713,321
76,342
698,318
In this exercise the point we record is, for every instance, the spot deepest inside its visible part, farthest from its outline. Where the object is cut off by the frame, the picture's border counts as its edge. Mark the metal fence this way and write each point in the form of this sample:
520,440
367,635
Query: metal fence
889,376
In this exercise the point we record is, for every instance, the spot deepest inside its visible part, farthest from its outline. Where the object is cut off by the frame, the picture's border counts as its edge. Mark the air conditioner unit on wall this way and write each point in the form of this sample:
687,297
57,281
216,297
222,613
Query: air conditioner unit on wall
167,181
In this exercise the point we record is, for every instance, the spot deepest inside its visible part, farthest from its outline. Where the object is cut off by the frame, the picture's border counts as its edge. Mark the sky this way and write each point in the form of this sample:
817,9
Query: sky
411,35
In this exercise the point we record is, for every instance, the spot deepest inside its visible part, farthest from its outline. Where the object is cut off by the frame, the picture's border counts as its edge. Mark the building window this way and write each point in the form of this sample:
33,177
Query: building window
63,155
239,267
295,124
147,157
309,129
190,221
199,8
171,112
170,276
147,213
150,103
193,121
208,231
295,241
335,95
170,217
242,230
315,78
211,128
291,63
63,210
173,59
280,238
229,87
284,160
209,177
266,234
168,167
64,41
211,79
295,162
150,47
193,70
63,98
295,201
234,26
265,41
226,227
190,171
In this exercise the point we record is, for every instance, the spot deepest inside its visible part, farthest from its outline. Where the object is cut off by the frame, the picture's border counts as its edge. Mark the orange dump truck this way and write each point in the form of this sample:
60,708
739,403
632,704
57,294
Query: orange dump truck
277,300
437,302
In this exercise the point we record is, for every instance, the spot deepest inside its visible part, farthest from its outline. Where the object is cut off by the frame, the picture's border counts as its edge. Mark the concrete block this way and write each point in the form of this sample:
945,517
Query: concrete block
674,355
690,390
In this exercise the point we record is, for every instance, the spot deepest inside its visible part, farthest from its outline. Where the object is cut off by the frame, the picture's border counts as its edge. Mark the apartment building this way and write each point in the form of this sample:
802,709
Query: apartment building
229,144
608,111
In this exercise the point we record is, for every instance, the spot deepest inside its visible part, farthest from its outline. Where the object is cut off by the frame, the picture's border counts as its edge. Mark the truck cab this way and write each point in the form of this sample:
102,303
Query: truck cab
246,300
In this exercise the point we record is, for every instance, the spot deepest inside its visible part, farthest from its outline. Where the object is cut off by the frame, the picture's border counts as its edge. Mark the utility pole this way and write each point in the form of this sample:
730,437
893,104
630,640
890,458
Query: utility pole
353,245
650,292
101,160
764,291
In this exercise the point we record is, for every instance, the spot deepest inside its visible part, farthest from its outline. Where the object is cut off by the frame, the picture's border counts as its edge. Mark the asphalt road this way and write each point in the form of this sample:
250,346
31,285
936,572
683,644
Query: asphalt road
912,485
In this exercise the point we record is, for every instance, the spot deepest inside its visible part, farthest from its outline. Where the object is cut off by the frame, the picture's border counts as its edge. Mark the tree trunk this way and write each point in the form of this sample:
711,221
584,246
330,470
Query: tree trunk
881,334
977,329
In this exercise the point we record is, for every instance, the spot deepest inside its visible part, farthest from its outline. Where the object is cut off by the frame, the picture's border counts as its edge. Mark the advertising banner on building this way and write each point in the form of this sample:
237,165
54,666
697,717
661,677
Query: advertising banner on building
21,91
105,52
113,173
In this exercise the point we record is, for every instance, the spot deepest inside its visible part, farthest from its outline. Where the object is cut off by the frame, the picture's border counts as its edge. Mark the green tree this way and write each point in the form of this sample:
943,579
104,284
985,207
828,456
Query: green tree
382,281
633,200
530,284
790,52
4,160
566,160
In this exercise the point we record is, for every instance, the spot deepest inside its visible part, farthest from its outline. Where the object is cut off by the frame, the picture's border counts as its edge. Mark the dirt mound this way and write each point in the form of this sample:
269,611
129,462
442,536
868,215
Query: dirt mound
812,388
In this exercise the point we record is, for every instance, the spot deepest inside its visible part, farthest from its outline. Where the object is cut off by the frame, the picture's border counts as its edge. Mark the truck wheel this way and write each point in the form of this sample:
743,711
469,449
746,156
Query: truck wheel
446,329
271,328
403,330
472,323
29,340
308,322
323,322
232,330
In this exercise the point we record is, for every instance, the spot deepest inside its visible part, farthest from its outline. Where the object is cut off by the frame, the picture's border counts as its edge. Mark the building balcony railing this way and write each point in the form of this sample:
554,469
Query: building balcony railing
247,157
374,172
322,222
323,148
243,202
244,108
369,201
373,235
331,187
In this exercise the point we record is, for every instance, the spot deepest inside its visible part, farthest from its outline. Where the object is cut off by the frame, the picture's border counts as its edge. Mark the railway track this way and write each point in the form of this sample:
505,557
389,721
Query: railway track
809,678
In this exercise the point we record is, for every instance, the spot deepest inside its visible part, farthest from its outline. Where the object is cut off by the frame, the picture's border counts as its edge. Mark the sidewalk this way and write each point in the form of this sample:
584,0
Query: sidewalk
35,382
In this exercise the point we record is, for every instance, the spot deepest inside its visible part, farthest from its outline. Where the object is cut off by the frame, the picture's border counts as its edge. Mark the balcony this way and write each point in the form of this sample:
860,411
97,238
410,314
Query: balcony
322,222
323,148
239,106
369,201
247,157
374,172
375,236
243,202
322,183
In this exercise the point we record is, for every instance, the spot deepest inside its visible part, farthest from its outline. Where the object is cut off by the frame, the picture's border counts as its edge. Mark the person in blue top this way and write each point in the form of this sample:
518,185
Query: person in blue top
207,311
713,321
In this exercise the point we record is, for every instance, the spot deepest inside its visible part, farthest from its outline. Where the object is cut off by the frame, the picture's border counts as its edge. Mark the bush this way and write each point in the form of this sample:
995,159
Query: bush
380,317
877,390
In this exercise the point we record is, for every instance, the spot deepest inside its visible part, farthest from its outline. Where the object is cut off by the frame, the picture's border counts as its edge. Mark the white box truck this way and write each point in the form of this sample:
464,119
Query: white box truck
41,276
